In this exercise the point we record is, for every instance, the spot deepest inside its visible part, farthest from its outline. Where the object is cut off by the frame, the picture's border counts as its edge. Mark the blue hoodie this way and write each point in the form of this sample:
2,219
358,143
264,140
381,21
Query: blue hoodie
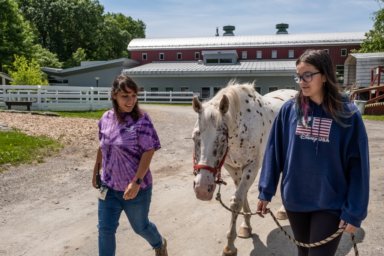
324,165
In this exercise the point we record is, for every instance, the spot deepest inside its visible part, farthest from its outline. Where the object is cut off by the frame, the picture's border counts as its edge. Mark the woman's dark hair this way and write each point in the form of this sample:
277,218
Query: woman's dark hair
122,83
333,99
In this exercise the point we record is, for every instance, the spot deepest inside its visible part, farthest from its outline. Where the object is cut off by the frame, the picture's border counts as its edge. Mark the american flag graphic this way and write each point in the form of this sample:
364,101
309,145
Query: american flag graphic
319,128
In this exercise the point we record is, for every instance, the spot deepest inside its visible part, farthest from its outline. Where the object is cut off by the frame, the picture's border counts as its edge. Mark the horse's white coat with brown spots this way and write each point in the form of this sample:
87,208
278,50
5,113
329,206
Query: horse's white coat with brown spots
245,117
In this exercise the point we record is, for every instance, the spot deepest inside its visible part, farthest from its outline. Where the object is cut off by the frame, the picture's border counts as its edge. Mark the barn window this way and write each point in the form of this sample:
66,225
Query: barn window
259,54
179,56
222,57
244,55
169,89
144,56
343,52
154,91
197,55
228,61
205,92
291,54
210,61
184,89
274,54
161,56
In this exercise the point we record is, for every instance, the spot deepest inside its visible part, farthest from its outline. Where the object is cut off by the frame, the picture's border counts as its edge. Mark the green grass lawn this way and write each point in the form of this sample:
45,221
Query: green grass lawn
377,118
83,114
17,148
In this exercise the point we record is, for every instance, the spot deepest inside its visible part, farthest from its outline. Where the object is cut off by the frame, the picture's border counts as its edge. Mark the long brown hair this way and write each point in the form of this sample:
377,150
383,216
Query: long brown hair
333,98
122,83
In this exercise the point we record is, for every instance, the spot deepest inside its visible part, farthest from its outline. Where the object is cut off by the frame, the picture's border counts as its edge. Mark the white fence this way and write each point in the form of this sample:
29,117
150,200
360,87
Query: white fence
70,98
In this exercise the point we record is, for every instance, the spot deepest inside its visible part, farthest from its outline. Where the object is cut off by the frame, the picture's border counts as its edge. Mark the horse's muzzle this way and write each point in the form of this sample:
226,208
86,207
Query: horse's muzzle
204,192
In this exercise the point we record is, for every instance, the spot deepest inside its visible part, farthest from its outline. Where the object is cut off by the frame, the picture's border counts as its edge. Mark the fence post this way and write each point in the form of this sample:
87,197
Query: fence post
91,91
38,94
170,96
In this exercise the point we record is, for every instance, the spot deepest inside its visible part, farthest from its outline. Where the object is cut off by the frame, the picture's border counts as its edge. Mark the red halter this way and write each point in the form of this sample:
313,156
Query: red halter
216,171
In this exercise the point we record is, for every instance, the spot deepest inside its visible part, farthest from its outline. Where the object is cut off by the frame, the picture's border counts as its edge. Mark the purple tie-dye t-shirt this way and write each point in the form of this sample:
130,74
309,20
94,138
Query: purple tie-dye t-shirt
122,145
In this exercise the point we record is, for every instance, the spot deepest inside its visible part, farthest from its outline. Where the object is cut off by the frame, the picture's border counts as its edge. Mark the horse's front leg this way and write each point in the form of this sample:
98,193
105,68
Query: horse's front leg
245,230
230,249
236,204
247,179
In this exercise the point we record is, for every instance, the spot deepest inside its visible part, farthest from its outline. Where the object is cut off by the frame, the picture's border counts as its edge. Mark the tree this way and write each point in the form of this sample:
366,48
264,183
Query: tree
115,34
76,58
63,26
117,31
44,57
26,73
374,41
16,36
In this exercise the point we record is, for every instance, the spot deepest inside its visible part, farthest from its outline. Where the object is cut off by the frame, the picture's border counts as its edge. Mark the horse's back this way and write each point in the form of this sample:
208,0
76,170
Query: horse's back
277,98
282,94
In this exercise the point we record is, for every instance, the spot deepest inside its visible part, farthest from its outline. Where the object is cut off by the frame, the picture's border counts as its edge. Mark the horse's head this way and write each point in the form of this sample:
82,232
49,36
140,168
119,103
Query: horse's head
210,137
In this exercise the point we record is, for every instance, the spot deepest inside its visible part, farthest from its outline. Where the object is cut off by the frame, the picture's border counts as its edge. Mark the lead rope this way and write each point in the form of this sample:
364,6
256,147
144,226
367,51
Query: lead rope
306,245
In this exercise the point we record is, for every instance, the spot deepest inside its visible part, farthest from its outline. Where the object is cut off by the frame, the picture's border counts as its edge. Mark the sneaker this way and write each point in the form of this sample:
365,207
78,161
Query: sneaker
162,251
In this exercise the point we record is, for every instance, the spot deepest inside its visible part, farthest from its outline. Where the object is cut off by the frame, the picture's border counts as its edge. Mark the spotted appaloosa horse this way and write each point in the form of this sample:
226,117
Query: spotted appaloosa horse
232,130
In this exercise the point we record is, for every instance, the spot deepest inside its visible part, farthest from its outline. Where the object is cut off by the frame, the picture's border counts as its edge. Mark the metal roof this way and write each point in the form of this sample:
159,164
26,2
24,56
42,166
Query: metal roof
196,68
89,66
5,76
246,41
368,55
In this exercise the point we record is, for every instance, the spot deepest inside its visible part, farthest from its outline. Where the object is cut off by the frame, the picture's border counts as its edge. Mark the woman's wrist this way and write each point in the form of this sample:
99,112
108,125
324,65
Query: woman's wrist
137,180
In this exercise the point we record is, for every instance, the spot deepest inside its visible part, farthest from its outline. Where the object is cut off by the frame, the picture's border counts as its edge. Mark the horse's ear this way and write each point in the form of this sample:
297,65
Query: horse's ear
197,105
224,104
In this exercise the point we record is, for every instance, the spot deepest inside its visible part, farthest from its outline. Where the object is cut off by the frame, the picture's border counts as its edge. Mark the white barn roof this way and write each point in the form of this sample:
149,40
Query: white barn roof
370,55
243,68
246,41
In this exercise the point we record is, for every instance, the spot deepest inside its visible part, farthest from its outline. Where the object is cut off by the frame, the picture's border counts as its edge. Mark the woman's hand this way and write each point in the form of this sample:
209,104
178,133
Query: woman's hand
349,228
131,191
262,207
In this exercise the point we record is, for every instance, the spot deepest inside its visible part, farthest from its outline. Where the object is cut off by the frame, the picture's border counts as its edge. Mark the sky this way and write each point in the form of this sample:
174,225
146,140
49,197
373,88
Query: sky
200,18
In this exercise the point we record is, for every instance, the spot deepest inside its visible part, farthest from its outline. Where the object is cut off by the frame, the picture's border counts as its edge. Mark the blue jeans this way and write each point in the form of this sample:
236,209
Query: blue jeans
136,209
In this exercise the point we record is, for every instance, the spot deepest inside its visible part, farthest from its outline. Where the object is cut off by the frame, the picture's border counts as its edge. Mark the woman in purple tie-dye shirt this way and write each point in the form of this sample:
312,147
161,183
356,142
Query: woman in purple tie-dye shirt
128,141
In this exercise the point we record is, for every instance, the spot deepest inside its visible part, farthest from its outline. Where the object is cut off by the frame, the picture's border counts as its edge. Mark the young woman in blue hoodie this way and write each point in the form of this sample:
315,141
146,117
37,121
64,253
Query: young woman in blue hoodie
318,143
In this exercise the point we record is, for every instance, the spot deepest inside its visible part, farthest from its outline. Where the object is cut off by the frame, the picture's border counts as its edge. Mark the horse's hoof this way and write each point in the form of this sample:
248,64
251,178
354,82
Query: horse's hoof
245,232
228,252
281,215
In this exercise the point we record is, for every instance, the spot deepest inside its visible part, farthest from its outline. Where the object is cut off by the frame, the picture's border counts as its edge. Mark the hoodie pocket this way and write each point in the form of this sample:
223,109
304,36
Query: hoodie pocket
308,190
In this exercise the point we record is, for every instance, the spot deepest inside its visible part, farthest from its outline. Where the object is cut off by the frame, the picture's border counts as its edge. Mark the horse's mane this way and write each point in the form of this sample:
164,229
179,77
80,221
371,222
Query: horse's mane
233,91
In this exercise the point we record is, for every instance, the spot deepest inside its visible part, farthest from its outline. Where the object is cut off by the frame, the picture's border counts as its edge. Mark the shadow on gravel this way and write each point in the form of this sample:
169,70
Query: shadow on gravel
279,245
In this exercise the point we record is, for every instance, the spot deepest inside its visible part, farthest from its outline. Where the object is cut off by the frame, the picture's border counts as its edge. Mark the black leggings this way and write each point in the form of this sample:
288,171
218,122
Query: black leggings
309,227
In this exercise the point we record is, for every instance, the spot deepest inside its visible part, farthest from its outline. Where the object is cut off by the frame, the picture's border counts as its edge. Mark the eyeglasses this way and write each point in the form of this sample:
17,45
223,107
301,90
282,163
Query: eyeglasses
306,77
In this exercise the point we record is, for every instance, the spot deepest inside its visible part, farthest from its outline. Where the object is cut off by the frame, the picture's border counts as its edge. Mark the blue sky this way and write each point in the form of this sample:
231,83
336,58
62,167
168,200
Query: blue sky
195,18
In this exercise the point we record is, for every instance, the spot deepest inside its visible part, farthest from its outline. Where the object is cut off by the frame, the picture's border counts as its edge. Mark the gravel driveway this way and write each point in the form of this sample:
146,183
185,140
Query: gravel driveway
51,209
